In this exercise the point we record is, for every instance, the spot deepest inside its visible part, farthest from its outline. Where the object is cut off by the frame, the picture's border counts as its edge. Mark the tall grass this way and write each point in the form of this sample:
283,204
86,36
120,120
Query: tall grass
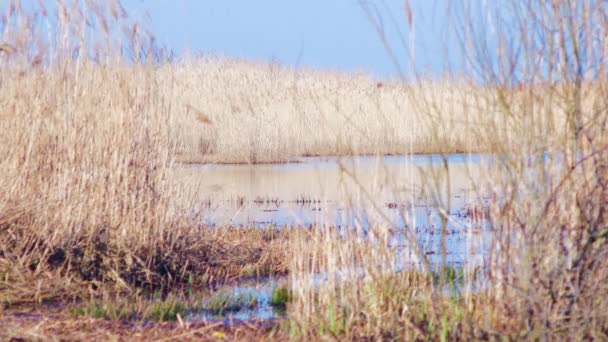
91,128
541,99
233,111
86,147
260,112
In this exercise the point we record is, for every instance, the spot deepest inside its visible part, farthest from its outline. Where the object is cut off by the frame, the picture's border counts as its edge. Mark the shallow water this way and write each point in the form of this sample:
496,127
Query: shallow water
331,191
406,193
257,295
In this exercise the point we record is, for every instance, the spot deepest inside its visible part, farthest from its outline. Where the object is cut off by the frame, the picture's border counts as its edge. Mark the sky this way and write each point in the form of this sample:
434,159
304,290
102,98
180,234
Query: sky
323,34
373,36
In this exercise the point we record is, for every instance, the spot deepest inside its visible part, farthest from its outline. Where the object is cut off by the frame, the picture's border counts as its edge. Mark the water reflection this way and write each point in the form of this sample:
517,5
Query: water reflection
244,302
341,192
409,194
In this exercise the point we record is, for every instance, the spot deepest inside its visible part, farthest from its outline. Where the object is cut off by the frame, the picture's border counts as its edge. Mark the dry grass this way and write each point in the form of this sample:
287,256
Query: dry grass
258,112
232,111
88,141
58,327
545,273
86,192
88,206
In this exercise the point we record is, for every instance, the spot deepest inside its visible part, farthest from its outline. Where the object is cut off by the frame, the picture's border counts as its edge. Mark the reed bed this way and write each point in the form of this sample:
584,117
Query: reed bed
260,112
543,275
89,207
545,271
87,203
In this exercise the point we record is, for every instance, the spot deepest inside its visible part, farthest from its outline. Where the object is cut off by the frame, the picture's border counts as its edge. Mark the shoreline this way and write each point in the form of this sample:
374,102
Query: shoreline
324,157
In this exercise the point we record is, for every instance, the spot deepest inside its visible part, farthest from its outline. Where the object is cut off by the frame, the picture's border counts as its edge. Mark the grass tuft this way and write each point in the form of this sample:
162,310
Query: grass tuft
281,295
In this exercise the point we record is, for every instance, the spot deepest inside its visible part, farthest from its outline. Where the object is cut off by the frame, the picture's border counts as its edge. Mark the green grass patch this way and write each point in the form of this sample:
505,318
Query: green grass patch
280,297
133,309
167,311
227,301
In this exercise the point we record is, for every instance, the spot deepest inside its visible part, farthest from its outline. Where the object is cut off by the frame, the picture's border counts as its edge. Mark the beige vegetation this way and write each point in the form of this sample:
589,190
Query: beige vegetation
89,209
549,199
258,112
62,328
233,111
87,205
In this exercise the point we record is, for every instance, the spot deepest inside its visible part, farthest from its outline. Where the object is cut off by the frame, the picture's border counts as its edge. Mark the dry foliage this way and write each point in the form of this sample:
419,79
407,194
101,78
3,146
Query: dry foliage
89,135
86,200
541,95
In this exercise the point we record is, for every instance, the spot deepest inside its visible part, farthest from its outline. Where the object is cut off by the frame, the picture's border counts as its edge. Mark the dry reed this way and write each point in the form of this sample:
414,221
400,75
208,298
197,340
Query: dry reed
88,204
539,102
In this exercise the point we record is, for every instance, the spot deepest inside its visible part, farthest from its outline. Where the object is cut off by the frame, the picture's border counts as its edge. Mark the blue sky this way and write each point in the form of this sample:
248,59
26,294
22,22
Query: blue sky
324,34
334,34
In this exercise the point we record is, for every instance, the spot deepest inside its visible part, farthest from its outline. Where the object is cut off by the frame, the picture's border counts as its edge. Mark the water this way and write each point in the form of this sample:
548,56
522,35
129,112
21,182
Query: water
250,301
331,191
406,193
